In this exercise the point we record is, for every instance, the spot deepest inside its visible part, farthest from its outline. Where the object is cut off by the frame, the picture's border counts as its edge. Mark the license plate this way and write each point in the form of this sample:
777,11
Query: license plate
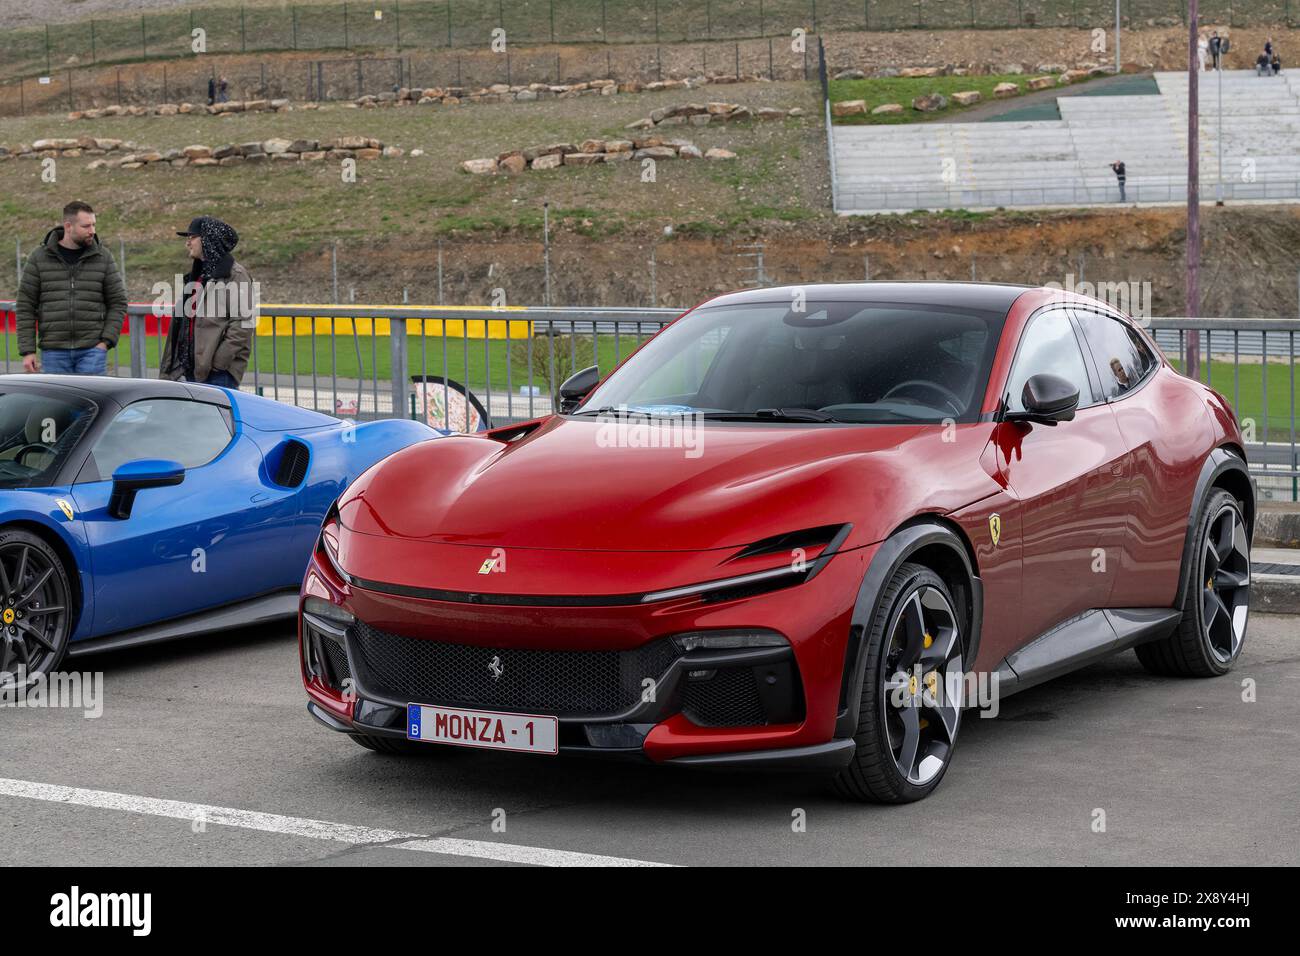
483,728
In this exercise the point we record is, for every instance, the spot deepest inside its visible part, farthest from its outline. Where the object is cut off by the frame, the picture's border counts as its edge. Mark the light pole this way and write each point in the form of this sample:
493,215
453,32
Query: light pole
1117,58
1193,304
1223,49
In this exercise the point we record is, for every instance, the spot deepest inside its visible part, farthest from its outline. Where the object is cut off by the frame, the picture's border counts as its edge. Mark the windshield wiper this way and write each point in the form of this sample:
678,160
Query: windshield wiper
773,414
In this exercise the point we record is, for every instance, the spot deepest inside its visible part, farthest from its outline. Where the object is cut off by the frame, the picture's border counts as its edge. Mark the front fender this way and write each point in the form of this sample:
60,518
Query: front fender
891,554
38,510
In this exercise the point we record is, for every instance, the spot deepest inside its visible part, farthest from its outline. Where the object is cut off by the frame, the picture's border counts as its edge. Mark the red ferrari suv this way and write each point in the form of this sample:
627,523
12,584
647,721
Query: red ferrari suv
799,528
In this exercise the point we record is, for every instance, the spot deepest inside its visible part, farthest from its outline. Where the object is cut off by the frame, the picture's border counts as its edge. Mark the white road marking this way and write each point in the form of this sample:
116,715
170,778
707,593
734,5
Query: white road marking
307,828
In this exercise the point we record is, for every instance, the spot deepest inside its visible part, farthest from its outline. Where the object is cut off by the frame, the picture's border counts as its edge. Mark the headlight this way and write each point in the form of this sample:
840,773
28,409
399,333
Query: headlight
730,640
326,611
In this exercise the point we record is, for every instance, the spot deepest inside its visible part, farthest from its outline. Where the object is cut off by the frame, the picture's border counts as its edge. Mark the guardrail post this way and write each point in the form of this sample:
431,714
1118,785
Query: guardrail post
140,344
397,352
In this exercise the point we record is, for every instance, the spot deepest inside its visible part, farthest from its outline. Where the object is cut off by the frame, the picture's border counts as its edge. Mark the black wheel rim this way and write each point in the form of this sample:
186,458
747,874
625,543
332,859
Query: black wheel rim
1225,583
33,611
923,685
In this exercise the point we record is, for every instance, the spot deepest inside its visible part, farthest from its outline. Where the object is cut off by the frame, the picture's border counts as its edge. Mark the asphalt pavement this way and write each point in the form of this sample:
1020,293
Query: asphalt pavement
205,754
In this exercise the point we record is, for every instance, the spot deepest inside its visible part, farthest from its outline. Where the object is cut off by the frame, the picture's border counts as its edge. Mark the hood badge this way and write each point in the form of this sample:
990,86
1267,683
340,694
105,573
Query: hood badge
995,528
494,667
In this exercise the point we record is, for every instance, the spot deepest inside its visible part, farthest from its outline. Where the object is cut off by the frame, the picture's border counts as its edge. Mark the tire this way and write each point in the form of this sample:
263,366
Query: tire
36,610
1216,568
397,746
883,770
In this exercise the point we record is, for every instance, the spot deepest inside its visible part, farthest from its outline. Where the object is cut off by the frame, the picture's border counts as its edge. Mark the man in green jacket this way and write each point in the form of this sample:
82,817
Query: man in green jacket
71,299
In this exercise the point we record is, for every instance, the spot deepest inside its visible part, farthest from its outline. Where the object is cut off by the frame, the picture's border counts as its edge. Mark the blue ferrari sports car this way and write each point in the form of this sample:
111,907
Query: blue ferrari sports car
135,510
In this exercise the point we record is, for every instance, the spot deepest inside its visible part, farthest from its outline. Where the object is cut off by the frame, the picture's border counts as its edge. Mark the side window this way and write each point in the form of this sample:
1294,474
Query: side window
191,433
1049,346
1122,358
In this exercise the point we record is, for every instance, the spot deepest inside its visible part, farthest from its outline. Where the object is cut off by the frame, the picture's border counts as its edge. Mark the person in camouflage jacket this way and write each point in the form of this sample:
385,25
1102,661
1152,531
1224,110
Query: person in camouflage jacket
71,299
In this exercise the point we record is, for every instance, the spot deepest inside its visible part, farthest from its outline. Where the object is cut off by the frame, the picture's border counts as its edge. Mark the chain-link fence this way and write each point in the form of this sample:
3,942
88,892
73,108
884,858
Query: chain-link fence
429,24
336,78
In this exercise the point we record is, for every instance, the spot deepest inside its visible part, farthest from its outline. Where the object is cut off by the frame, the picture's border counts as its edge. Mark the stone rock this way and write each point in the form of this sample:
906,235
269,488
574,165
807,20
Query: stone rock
221,152
416,152
848,107
76,115
1073,76
591,146
700,119
1041,82
648,142
233,159
107,144
479,166
279,104
885,72
276,147
673,121
690,151
303,146
253,106
966,97
548,161
95,164
180,163
368,154
168,109
1050,68
313,156
618,146
251,149
583,159
920,71
643,123
768,113
54,144
1004,90
887,109
390,152
719,154
258,158
185,109
1013,69
930,103
741,113
152,156
655,152
525,96
286,157
113,110
850,75
721,109
620,157
131,165
514,163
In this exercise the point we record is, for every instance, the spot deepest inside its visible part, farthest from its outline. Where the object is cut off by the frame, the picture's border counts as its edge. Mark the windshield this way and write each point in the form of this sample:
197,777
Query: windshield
860,362
37,432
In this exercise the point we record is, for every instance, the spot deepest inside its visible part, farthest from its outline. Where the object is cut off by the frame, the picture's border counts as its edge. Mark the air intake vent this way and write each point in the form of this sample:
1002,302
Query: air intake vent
292,468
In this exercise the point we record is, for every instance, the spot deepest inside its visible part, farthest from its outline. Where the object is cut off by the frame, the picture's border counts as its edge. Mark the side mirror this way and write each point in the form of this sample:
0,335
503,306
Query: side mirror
577,387
1048,399
135,476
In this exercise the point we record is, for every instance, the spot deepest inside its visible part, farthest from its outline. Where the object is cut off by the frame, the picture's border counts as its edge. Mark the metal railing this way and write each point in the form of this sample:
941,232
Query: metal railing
856,198
363,362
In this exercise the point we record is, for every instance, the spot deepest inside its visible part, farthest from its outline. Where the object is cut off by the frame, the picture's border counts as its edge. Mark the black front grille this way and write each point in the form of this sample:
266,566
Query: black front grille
558,683
727,699
337,661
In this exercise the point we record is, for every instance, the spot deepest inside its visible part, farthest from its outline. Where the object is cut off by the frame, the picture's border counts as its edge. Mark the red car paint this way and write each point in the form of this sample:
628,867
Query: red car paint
571,518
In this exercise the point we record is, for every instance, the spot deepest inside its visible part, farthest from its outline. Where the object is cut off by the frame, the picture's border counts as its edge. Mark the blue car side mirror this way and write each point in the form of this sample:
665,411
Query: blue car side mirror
134,476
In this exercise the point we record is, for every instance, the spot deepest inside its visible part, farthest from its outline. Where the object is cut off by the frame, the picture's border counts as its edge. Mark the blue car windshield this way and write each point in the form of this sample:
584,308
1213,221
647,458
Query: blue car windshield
38,430
874,362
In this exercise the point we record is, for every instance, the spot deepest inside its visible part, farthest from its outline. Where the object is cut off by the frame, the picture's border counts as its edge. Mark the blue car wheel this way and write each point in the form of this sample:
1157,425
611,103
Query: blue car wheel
35,605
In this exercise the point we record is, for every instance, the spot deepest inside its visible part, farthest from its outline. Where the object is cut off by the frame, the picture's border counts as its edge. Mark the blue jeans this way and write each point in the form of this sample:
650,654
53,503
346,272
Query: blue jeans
220,378
91,361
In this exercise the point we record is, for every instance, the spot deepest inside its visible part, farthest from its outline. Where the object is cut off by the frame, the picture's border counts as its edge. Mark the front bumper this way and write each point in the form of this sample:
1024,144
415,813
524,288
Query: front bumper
796,687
